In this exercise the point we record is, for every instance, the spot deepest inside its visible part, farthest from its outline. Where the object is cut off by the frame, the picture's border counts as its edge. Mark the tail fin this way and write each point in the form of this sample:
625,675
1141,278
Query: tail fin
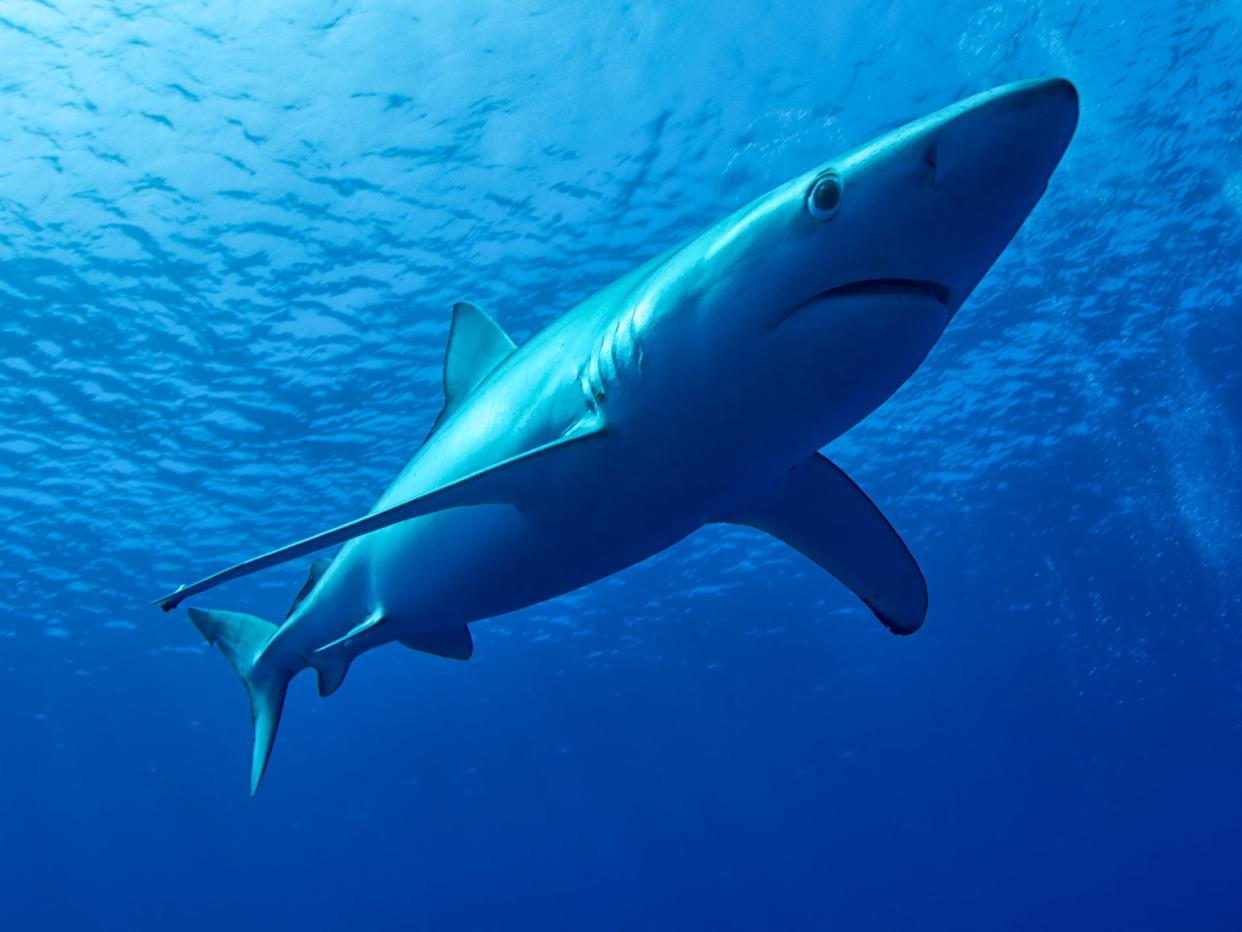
242,638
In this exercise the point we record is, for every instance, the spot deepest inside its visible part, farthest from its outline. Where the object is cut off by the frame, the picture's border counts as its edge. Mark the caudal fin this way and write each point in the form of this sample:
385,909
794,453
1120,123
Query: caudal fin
242,638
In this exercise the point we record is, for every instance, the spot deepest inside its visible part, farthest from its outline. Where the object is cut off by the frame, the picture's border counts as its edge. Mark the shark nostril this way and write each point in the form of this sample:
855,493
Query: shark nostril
930,160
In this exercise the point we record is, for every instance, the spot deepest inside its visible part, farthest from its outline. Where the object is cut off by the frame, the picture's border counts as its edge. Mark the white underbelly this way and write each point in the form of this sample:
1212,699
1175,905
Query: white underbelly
465,564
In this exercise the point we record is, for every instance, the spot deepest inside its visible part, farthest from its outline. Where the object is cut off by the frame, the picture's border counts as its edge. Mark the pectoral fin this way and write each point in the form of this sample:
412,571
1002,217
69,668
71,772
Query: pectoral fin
511,481
819,511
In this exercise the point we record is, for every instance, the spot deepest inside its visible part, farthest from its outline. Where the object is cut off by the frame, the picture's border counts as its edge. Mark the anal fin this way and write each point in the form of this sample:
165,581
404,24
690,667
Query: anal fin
331,669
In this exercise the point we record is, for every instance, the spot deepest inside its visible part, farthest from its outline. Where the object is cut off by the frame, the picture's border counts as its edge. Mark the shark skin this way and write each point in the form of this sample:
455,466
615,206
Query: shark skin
696,389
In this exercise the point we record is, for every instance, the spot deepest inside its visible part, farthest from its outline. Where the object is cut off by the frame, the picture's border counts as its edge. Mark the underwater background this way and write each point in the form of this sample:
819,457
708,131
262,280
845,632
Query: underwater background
230,237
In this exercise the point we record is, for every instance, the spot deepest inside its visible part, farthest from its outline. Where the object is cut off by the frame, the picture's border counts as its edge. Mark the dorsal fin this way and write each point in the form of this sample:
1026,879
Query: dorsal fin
476,345
316,570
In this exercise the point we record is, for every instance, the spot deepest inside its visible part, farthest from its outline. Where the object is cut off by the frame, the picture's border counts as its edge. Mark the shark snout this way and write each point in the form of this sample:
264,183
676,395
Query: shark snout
967,177
1006,141
911,220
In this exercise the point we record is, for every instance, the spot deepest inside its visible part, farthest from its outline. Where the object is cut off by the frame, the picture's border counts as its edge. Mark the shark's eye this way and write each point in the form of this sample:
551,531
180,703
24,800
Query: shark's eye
824,198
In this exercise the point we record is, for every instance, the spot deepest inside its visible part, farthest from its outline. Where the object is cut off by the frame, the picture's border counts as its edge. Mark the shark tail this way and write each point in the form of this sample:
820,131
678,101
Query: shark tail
243,640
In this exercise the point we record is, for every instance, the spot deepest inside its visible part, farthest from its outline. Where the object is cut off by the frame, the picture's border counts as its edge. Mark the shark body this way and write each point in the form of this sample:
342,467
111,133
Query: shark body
696,389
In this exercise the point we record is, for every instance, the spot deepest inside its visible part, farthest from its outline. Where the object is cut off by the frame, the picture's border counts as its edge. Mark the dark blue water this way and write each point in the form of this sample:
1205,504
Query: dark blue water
230,236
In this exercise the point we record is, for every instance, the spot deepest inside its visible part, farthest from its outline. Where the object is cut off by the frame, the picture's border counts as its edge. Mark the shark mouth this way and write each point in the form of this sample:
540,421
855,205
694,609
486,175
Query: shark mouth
888,287
881,287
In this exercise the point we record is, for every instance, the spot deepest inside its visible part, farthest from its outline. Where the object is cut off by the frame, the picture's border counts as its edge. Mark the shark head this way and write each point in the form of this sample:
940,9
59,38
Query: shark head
920,214
917,215
858,264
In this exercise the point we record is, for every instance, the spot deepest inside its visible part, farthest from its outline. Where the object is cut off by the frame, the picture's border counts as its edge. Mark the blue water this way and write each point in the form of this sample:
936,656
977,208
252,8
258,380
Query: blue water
230,236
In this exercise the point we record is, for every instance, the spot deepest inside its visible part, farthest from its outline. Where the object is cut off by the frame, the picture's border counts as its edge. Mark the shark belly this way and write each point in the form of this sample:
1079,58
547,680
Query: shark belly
670,465
467,564
652,482
844,357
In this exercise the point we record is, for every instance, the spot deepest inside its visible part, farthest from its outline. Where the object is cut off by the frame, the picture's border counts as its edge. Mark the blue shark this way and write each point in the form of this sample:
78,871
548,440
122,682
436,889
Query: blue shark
697,389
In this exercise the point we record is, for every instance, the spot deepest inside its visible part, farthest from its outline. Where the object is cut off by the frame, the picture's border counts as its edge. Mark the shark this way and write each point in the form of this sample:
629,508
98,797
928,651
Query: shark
699,388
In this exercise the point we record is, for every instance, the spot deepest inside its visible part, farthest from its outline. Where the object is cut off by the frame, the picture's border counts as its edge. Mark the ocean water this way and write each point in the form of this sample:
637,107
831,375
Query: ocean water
230,237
